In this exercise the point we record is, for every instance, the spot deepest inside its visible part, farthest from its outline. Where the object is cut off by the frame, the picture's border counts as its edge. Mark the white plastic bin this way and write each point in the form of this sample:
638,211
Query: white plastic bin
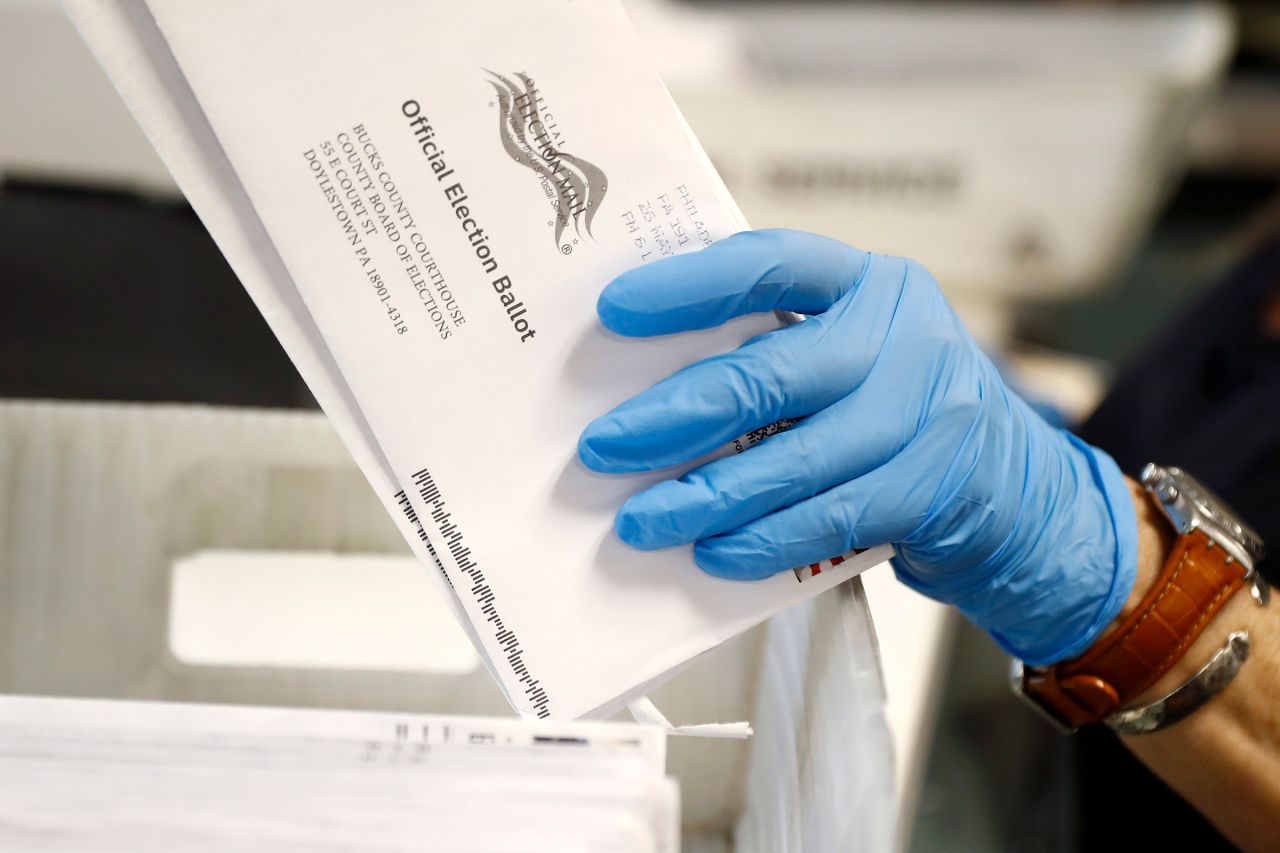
99,503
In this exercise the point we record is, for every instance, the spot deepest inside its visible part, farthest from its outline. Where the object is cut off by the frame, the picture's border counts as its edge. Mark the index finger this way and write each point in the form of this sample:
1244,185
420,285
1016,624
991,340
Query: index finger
749,272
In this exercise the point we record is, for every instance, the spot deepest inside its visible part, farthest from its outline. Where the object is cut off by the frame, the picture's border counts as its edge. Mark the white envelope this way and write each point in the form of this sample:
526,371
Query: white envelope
531,151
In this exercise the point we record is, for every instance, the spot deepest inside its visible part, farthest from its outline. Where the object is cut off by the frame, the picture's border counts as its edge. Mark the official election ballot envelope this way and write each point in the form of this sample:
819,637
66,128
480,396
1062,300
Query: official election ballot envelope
425,199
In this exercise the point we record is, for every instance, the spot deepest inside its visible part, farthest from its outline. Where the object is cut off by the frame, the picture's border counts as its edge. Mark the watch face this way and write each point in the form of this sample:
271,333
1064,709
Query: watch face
1214,509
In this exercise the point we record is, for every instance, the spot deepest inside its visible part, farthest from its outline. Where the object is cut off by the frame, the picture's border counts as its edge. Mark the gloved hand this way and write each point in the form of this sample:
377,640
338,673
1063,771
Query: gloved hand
909,436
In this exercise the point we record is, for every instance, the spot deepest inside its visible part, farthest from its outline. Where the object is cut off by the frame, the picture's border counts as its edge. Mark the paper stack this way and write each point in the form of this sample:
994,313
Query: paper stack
425,199
81,774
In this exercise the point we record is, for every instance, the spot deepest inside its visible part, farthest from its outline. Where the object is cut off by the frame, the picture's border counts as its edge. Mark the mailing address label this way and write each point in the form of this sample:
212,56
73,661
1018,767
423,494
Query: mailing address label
391,256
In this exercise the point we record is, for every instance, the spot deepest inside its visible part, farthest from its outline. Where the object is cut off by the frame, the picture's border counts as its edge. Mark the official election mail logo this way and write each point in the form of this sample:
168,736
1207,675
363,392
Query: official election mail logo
531,134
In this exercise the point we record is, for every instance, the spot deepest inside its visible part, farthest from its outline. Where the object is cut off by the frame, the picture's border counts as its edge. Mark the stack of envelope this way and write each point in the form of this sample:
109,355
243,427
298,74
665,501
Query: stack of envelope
123,776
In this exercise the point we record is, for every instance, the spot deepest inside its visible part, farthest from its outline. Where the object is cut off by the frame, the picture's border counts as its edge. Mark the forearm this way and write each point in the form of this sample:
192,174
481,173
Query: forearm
1225,758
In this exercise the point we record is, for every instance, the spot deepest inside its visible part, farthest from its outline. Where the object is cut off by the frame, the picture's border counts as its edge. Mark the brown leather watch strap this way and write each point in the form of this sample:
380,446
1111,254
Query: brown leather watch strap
1196,581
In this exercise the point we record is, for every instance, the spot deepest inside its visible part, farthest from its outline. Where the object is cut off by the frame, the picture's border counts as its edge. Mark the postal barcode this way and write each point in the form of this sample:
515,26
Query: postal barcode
480,590
407,508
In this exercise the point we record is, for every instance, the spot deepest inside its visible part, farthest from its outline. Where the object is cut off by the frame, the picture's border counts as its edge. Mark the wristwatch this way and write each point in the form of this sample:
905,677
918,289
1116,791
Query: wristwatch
1214,555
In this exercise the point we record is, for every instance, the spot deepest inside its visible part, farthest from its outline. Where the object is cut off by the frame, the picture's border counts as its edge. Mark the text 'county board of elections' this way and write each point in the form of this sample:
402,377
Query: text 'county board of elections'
425,200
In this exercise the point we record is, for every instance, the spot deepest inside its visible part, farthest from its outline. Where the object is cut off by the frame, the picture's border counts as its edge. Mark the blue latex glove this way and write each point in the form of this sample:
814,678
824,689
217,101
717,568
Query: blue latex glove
909,437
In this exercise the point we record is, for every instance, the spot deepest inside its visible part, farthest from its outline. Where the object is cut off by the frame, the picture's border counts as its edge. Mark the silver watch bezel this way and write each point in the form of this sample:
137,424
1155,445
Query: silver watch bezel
1190,505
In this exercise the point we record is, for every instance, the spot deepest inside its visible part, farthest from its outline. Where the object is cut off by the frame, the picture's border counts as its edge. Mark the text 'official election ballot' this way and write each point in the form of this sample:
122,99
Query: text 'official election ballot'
425,200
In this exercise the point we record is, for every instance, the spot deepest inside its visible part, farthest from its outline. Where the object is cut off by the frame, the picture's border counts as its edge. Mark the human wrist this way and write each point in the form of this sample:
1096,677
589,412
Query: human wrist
1194,588
1156,539
1155,543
